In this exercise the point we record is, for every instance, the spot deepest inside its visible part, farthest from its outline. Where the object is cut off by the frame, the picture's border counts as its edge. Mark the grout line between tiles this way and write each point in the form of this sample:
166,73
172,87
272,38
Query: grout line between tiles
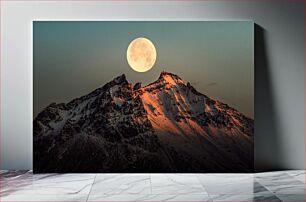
270,192
209,197
267,188
91,187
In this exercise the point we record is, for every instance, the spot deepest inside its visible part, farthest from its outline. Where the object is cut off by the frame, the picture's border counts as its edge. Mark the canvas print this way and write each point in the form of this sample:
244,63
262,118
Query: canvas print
135,97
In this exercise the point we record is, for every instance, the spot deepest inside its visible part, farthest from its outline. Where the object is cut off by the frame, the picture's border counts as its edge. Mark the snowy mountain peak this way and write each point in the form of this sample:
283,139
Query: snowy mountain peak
170,78
120,79
115,85
123,128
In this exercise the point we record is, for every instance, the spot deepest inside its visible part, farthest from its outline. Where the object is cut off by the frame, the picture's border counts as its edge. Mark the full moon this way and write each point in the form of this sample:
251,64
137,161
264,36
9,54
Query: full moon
141,54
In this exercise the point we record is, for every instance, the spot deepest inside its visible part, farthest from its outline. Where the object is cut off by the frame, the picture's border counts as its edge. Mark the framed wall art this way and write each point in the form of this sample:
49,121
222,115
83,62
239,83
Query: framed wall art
143,96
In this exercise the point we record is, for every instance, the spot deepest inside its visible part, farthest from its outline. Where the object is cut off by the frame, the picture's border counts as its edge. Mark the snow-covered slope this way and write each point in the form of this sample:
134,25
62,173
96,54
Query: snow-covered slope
166,126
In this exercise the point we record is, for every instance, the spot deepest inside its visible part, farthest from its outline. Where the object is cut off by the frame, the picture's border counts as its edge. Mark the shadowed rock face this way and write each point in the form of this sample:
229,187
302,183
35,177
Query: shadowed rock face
166,126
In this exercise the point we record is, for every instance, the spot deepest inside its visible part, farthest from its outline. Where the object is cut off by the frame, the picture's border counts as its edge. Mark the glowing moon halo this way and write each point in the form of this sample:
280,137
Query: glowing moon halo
141,54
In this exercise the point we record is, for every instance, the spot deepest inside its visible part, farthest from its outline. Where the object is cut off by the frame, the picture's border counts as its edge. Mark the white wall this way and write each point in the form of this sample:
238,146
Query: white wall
280,89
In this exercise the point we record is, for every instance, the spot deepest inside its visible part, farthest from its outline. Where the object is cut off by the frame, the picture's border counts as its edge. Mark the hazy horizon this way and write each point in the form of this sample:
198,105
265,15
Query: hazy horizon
71,59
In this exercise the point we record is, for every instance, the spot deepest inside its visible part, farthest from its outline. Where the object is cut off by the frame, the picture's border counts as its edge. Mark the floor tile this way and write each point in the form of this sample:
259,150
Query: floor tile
275,175
43,198
121,184
260,189
14,180
176,184
11,173
149,198
286,186
291,197
48,184
282,184
231,198
265,198
183,198
234,184
3,171
245,198
298,175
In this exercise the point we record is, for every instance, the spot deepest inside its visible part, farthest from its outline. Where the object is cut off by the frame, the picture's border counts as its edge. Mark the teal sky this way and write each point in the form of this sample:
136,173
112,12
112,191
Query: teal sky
73,58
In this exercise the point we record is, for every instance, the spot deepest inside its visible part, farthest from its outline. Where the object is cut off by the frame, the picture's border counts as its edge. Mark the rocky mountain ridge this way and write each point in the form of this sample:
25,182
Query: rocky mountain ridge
166,126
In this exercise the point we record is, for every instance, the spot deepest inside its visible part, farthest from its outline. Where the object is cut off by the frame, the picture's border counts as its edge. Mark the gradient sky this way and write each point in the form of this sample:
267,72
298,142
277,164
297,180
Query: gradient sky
72,59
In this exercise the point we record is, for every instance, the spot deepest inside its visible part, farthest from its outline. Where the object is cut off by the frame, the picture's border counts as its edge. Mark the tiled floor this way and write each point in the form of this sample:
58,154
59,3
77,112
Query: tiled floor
271,186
